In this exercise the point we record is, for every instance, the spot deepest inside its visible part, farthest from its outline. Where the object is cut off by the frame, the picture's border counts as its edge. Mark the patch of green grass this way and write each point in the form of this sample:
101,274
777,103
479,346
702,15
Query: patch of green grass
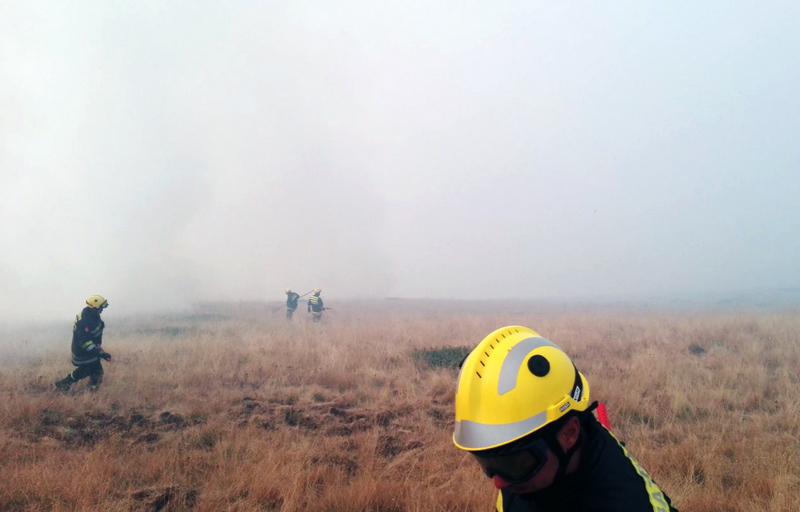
445,357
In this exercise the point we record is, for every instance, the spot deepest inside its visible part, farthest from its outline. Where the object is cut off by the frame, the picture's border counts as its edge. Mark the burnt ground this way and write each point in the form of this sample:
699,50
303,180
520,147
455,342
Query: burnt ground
395,429
339,419
74,430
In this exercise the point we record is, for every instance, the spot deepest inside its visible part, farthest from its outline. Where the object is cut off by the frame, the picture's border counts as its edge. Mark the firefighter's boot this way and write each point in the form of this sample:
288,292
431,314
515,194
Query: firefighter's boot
65,384
95,380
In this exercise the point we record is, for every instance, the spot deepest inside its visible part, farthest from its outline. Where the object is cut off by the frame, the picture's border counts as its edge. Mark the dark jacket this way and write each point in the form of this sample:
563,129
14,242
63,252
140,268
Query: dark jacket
608,480
87,337
291,300
315,304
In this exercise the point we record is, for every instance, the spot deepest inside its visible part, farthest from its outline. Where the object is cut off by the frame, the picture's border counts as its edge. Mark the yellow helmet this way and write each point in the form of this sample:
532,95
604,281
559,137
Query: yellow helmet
514,383
317,291
96,301
287,291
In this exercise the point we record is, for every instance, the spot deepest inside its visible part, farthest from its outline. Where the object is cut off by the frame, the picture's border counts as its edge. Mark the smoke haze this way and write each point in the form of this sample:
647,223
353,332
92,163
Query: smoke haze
162,154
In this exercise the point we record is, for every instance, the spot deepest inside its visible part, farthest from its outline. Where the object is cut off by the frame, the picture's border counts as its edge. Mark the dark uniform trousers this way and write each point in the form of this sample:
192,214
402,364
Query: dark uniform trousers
92,370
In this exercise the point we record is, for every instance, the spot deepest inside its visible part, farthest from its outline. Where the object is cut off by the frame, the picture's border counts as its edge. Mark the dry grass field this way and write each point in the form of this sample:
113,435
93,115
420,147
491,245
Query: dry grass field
234,409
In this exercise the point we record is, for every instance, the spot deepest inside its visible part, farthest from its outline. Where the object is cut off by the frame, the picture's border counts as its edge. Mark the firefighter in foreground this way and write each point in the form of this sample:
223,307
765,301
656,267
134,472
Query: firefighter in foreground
87,339
291,302
315,305
523,412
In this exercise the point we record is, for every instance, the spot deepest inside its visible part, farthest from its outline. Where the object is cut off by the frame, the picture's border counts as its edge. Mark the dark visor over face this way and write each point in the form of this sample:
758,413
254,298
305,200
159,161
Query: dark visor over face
517,467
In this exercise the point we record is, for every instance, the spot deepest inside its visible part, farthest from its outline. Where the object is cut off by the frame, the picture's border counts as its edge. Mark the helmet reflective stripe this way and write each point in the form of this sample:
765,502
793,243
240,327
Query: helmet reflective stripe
514,359
471,435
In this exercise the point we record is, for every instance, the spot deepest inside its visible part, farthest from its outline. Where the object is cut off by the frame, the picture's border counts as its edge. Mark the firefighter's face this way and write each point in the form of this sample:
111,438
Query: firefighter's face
567,437
540,480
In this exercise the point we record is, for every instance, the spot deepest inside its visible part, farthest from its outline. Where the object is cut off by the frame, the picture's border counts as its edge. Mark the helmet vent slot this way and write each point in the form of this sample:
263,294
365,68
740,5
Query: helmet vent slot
482,363
479,375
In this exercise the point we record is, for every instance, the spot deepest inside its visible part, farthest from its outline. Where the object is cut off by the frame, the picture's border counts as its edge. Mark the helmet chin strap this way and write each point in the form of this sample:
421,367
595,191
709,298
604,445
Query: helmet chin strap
564,457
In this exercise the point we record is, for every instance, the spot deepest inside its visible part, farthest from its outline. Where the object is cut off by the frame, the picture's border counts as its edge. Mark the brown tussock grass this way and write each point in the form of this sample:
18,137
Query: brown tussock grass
242,411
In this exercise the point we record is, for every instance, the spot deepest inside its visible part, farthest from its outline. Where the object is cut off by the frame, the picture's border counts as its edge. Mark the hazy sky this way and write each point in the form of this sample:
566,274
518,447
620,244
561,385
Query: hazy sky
165,152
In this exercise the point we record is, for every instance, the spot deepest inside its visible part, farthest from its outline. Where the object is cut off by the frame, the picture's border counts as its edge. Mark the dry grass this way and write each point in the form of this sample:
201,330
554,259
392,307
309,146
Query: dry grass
238,410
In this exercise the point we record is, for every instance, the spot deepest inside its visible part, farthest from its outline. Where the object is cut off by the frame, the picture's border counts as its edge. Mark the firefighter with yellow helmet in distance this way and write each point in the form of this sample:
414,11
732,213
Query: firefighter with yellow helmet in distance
87,339
523,412
316,306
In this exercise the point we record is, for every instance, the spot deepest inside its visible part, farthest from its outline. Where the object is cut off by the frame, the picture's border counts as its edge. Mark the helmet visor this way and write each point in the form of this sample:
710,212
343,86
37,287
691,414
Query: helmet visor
517,467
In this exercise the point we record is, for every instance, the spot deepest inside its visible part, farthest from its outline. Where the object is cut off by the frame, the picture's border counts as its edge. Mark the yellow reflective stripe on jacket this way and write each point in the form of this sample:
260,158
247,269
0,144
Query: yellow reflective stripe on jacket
85,345
499,506
657,499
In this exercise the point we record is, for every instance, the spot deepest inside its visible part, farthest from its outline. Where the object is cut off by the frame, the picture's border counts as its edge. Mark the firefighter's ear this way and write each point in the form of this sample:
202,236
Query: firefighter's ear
569,433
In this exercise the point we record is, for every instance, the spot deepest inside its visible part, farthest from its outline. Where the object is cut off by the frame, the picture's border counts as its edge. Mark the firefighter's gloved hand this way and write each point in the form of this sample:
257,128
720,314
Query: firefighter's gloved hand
105,355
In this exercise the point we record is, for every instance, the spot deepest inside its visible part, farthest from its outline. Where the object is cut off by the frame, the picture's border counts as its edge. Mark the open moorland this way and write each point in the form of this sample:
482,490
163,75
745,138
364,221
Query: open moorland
232,408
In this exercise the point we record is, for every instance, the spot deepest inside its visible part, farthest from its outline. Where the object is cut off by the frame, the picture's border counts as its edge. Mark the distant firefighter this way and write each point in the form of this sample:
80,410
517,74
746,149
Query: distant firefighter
315,305
291,302
87,338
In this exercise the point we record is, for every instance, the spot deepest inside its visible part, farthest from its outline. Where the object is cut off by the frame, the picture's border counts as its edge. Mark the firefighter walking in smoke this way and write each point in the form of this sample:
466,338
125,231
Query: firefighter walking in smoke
87,338
315,305
523,412
291,302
